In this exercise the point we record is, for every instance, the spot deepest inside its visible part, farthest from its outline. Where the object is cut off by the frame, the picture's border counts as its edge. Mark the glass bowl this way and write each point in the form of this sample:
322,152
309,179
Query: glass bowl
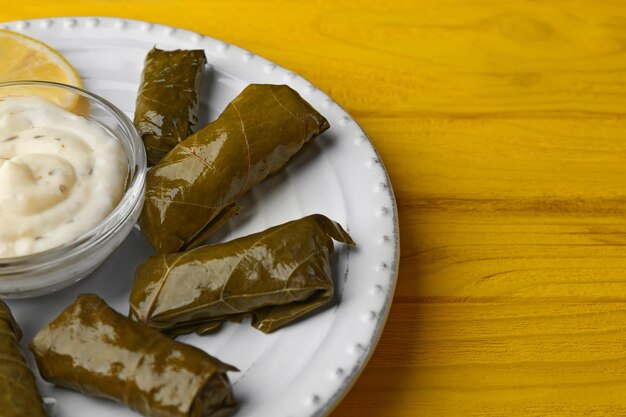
47,271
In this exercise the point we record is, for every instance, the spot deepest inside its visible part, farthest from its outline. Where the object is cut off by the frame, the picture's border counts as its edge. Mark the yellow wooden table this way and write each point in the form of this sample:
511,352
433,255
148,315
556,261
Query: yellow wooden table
503,127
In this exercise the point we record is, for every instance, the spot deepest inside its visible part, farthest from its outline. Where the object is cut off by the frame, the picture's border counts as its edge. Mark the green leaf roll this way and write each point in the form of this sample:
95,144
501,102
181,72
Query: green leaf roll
166,110
93,349
274,276
18,391
193,190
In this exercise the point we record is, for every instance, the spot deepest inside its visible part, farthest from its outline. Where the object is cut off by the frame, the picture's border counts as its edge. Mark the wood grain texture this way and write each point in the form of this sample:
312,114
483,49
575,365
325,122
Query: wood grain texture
503,127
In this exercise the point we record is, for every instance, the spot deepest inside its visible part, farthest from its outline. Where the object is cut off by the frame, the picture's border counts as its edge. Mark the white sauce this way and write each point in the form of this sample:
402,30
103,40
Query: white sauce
60,175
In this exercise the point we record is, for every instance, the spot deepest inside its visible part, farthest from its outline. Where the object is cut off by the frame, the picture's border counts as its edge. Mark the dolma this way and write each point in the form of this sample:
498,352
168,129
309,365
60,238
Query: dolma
166,110
274,276
18,391
193,190
95,350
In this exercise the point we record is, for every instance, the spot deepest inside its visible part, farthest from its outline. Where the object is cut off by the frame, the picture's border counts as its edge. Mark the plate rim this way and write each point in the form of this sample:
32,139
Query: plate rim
323,408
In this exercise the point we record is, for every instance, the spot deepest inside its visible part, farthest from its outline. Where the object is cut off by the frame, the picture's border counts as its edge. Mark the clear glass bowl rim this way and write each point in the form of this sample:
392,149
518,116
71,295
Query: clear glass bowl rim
108,226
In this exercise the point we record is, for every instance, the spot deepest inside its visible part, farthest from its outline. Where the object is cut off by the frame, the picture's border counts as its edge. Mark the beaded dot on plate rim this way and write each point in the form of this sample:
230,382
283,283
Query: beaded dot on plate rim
344,121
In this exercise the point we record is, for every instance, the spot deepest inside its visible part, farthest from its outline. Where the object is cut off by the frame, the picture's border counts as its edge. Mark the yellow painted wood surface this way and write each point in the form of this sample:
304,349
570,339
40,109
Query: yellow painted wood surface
503,127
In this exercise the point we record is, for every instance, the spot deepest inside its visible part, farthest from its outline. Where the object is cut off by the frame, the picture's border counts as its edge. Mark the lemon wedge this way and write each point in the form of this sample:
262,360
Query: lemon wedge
25,58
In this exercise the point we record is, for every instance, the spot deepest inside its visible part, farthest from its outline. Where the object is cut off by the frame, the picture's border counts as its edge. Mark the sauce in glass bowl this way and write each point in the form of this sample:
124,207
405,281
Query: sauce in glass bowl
60,175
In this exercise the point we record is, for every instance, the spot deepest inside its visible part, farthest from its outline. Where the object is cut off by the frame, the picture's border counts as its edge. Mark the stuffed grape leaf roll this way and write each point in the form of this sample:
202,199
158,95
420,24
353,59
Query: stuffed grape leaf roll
193,190
274,276
166,110
93,349
18,392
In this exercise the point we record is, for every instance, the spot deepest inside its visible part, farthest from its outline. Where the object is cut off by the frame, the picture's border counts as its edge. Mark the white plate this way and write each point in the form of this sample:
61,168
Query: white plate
303,369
